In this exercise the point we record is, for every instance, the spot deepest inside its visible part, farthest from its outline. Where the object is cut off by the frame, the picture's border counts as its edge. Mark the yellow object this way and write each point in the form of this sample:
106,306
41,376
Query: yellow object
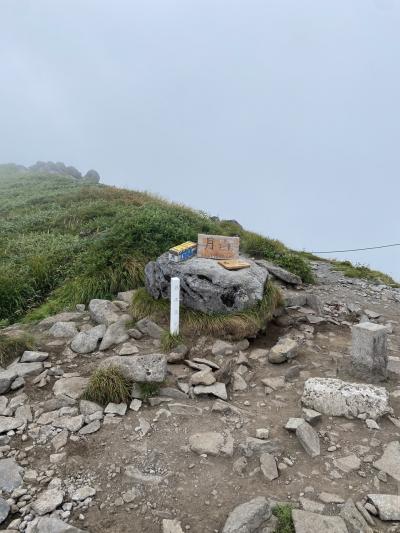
182,247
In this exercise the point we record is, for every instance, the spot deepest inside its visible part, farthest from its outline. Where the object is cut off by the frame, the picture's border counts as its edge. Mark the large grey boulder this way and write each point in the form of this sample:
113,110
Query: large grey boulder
141,368
390,460
86,341
6,378
248,517
388,505
8,423
4,510
103,312
334,397
115,334
207,286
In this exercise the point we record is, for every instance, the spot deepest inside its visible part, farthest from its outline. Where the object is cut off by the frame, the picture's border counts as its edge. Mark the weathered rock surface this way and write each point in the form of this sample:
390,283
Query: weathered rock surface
10,475
206,286
306,522
4,510
150,328
6,378
171,526
142,368
390,460
71,387
86,341
334,397
103,312
284,350
47,501
115,334
34,357
212,443
7,423
50,524
268,466
248,517
352,516
279,272
388,505
63,330
309,439
216,389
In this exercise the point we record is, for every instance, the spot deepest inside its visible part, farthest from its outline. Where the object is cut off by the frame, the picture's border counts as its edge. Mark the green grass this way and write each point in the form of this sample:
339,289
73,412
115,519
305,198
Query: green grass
285,521
64,242
169,341
233,326
108,385
364,272
149,390
12,347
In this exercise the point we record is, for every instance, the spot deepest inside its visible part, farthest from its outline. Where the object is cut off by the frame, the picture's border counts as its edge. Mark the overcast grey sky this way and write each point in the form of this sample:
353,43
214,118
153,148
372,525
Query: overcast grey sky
283,114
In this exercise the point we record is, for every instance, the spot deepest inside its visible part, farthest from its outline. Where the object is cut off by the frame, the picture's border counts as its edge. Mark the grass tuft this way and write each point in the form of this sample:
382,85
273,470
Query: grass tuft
233,326
169,341
283,513
108,385
12,347
149,390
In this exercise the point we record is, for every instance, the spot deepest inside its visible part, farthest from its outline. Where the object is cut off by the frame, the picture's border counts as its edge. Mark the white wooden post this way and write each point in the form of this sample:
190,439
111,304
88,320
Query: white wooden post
174,313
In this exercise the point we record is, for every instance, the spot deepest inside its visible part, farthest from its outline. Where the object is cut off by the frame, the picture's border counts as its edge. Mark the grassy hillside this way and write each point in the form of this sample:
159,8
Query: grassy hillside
63,242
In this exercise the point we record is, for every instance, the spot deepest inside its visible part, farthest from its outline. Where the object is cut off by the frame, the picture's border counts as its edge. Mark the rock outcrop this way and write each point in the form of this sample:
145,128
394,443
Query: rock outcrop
206,286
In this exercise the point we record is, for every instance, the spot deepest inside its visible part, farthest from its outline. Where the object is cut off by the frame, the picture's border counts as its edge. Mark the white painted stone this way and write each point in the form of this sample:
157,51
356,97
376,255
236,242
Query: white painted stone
369,349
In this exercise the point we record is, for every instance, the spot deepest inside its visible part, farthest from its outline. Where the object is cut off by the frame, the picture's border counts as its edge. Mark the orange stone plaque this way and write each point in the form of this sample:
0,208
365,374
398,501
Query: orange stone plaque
217,247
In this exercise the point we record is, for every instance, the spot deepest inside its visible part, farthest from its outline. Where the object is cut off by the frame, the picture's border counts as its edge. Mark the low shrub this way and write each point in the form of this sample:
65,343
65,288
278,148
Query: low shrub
169,341
283,513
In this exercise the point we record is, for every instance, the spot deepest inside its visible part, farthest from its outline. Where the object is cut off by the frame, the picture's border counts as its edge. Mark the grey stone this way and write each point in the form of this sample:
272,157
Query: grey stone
141,368
90,428
115,334
170,392
207,286
280,273
82,493
222,348
6,378
238,382
311,505
217,389
135,405
26,369
88,408
306,522
352,516
60,440
253,445
334,397
294,299
128,348
388,505
311,416
47,501
86,341
390,460
103,312
204,377
10,475
284,350
150,328
34,357
184,409
7,423
4,510
63,330
268,466
171,526
135,333
178,354
248,517
50,524
67,316
116,409
348,464
369,349
309,439
134,473
329,497
212,443
126,296
72,423
24,412
72,387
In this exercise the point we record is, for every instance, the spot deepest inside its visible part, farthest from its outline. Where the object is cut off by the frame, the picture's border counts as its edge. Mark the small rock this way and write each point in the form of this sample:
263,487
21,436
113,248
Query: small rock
306,522
248,517
284,350
212,443
34,357
116,409
171,526
217,389
309,439
348,464
268,466
83,493
47,501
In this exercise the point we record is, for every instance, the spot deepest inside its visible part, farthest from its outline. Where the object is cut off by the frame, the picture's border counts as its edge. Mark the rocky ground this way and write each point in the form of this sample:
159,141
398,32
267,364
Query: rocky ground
233,429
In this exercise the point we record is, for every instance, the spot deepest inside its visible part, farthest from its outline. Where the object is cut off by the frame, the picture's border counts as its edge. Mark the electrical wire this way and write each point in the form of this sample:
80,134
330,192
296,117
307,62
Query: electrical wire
358,249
